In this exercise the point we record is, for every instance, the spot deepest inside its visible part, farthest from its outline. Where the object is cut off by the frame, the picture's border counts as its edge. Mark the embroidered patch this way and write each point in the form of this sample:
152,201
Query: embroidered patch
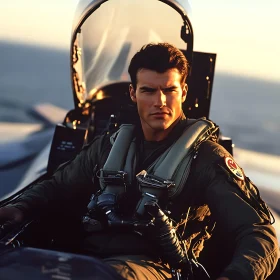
234,168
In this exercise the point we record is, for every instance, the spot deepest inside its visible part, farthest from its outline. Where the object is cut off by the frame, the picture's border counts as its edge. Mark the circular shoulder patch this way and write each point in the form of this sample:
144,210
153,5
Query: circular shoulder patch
234,168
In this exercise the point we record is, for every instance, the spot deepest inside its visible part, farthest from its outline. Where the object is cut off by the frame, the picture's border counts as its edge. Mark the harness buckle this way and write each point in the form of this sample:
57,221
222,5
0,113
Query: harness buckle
152,181
112,178
153,188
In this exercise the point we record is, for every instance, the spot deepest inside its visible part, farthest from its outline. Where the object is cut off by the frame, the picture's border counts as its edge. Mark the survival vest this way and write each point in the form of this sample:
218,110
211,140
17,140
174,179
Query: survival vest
167,175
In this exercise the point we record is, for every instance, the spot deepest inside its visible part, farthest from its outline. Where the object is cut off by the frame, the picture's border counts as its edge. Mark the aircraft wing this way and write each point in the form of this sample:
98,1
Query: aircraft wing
20,143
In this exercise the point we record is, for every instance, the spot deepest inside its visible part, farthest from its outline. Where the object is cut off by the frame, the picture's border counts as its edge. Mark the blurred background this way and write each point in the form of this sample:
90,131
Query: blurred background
35,60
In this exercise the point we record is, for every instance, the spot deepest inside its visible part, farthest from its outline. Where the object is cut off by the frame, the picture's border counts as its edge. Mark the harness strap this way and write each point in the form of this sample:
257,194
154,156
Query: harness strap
117,170
174,165
122,140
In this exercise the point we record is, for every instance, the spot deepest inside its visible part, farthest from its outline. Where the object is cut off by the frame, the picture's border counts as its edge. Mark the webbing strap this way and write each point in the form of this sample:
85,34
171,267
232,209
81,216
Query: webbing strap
176,161
117,157
190,138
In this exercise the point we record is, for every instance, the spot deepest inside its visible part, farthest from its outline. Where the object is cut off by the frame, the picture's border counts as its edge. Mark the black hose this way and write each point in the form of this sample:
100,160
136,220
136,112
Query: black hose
166,235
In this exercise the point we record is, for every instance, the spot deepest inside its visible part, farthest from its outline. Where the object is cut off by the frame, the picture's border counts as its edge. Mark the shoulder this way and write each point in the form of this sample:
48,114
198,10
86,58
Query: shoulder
213,159
103,148
210,152
99,141
95,148
216,170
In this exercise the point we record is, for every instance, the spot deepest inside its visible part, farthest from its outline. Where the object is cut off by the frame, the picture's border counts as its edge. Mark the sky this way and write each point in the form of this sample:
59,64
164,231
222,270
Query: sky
243,33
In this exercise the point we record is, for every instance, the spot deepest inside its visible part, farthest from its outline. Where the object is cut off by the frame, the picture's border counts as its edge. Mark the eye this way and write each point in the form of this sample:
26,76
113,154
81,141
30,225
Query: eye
148,90
170,90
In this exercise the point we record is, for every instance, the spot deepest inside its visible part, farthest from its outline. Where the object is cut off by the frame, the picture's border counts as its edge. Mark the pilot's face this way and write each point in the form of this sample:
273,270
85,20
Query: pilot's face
159,98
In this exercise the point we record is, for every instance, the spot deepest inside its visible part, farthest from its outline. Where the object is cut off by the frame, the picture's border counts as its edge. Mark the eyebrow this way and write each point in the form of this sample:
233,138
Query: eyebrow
145,88
170,88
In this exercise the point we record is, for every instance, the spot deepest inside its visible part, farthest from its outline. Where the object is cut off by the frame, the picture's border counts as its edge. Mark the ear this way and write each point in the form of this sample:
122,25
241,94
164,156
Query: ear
132,93
184,93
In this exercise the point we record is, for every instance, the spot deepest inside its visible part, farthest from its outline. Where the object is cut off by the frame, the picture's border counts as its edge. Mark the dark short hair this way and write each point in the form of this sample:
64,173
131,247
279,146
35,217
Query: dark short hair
158,57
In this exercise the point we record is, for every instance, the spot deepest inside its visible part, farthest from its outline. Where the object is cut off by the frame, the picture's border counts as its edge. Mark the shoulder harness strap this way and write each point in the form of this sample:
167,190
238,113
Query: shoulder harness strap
119,166
174,165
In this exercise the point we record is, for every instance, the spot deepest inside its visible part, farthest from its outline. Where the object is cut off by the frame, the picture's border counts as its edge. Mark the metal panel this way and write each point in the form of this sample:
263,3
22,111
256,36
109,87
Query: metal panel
200,84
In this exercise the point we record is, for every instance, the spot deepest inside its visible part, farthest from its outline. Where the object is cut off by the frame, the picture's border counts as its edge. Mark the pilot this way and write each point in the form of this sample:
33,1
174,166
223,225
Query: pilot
147,226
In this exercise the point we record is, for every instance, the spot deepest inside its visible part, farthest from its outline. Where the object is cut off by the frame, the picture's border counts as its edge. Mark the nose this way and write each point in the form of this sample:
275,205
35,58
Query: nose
160,99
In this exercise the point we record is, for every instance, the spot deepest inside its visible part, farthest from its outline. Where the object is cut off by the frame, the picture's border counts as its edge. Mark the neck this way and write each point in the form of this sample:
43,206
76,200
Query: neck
151,134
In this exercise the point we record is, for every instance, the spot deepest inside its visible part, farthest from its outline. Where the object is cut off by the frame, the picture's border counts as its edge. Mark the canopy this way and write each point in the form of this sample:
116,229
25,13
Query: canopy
106,34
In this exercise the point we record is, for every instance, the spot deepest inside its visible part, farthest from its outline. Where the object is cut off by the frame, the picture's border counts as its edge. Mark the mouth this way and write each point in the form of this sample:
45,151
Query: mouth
160,114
